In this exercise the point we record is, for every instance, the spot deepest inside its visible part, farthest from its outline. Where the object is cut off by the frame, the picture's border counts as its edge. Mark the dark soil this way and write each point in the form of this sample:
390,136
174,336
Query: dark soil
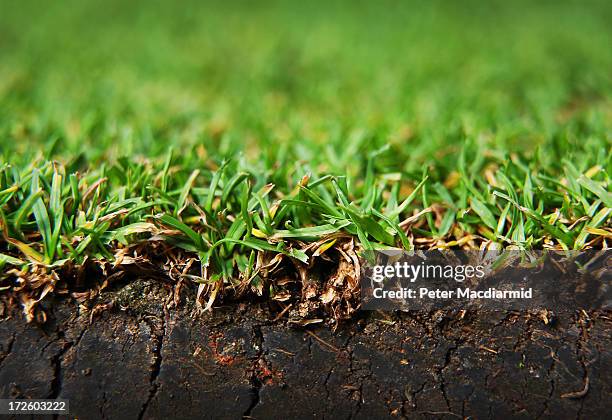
139,359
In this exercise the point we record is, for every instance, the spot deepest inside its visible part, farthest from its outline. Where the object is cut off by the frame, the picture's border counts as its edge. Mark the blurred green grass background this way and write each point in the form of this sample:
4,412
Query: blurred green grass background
110,79
243,126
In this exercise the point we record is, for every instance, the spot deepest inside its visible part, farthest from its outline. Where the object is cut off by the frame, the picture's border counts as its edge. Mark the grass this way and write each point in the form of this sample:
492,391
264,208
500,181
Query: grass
230,133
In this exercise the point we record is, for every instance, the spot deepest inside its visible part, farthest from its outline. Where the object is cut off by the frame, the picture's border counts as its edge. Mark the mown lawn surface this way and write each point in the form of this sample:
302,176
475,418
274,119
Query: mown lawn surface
228,130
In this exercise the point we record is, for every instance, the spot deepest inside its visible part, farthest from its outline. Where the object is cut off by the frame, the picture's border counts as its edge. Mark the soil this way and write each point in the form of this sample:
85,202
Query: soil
142,358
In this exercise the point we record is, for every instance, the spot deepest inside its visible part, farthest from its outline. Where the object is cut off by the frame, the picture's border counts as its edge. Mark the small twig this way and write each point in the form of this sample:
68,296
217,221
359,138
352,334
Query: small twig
320,340
283,312
578,394
435,413
287,352
488,349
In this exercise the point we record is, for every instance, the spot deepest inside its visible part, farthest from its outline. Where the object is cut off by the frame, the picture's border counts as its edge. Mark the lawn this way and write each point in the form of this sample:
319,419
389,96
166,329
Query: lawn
214,141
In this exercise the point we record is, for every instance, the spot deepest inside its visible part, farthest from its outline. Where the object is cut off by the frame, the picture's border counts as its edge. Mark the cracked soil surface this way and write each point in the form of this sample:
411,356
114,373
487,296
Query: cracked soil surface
156,363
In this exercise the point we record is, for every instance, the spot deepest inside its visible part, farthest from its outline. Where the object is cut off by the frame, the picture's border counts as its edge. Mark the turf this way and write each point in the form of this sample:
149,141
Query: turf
231,131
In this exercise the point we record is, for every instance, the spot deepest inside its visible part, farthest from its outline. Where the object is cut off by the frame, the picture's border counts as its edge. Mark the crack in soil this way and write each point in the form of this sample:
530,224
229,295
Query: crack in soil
549,373
440,373
256,384
101,408
349,351
584,325
57,360
157,363
326,381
